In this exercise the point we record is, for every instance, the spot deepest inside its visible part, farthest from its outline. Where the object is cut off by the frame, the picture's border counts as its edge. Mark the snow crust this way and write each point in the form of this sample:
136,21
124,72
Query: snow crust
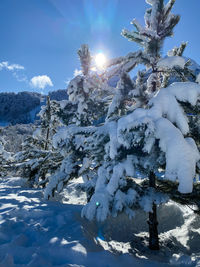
198,78
185,91
165,104
181,154
36,233
171,62
151,2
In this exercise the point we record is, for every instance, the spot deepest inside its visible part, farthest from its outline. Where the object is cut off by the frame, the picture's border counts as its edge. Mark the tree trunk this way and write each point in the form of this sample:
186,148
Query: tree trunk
153,223
48,118
47,139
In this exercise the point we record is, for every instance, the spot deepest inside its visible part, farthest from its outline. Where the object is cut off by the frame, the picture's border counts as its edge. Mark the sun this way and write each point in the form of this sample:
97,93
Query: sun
100,60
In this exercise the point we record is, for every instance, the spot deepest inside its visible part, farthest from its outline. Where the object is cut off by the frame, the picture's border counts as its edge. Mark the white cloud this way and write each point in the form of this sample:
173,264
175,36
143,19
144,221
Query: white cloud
15,69
20,77
41,81
11,67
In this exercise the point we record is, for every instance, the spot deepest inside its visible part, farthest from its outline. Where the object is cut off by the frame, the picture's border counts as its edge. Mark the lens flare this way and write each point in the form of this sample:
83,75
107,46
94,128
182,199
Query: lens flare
100,60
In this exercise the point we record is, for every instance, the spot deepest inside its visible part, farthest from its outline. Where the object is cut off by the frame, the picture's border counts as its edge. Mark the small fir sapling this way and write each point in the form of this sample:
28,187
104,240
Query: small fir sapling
5,158
38,159
37,164
50,122
88,95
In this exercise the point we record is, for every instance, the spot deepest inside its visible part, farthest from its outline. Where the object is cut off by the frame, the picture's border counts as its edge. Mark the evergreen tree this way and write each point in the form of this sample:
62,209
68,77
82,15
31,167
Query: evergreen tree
145,129
5,158
88,95
50,122
38,159
141,135
85,92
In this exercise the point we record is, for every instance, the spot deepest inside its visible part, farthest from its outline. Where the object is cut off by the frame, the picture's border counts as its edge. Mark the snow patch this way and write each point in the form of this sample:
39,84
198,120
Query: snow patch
198,78
171,62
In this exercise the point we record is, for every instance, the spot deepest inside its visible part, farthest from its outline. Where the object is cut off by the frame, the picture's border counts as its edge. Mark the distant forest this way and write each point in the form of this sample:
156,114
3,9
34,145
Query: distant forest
22,107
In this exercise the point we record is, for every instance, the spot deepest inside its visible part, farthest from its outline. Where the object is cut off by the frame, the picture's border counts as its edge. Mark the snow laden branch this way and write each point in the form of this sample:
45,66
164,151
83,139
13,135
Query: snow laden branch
159,24
70,141
126,63
171,62
135,142
85,58
169,123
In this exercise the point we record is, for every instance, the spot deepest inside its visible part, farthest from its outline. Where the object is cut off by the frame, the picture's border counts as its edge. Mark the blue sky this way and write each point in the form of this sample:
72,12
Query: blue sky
39,38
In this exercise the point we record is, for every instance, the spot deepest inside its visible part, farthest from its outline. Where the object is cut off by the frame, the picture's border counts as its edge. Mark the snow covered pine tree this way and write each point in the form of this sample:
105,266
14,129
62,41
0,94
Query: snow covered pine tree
152,136
145,129
88,98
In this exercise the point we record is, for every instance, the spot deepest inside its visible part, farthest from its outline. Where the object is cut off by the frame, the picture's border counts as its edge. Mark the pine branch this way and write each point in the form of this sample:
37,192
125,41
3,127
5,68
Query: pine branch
168,8
85,58
171,188
133,37
181,49
168,30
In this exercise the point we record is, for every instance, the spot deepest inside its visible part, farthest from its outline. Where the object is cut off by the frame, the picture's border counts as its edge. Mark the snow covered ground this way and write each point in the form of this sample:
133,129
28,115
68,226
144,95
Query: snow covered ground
38,233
